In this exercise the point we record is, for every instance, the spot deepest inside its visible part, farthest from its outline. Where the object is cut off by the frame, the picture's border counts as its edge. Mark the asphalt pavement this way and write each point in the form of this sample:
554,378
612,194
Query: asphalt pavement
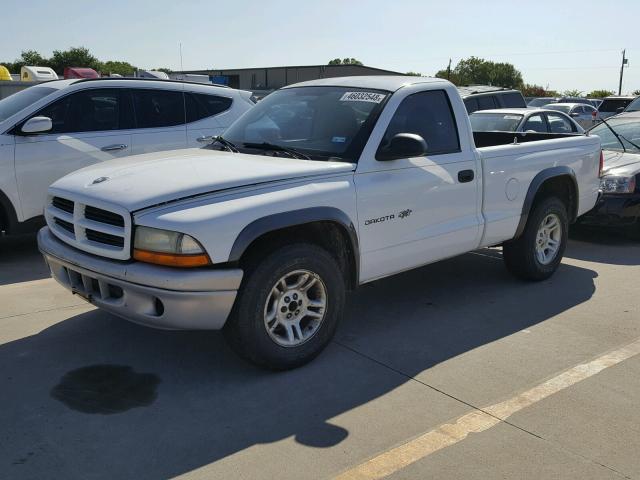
409,388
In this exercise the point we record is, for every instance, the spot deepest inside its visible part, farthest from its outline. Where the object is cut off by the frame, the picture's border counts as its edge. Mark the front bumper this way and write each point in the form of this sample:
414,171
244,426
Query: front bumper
614,211
156,296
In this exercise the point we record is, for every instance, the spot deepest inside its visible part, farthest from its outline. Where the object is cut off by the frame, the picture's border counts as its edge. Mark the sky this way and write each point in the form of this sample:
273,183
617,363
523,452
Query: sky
560,44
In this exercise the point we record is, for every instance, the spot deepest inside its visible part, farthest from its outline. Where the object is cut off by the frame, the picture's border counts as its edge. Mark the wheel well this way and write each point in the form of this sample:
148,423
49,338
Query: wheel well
564,188
331,236
7,214
4,221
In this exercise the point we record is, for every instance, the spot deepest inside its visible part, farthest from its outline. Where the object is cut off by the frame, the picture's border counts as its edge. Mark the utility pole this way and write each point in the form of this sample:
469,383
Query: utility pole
449,70
625,61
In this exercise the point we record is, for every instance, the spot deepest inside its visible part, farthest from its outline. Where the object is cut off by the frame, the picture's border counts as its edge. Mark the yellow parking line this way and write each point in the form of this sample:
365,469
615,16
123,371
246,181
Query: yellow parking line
480,420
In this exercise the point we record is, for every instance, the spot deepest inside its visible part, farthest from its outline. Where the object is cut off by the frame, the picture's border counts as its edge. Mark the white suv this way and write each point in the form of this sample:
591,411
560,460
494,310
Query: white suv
54,128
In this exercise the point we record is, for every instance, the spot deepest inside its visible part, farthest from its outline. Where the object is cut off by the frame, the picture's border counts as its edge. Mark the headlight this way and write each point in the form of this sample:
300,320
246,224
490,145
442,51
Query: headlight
618,184
164,247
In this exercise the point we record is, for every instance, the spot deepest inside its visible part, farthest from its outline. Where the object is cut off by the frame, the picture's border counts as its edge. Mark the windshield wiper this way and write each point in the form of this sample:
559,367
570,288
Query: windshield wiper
618,137
225,143
278,148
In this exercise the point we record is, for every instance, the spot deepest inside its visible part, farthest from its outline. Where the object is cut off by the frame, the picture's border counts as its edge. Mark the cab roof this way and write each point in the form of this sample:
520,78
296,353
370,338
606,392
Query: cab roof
389,83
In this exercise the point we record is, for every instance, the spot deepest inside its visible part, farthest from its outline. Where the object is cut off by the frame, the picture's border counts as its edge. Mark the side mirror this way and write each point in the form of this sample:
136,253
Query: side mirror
37,125
403,145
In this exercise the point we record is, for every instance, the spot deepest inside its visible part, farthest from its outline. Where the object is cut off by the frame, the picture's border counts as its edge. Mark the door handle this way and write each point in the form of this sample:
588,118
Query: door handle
465,176
111,148
205,139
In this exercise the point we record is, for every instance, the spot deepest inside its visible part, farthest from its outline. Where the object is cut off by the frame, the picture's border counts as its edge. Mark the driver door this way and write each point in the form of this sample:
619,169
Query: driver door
413,211
88,126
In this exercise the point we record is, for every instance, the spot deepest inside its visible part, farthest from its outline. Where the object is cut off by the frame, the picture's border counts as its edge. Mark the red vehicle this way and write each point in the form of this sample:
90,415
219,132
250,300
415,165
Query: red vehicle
78,72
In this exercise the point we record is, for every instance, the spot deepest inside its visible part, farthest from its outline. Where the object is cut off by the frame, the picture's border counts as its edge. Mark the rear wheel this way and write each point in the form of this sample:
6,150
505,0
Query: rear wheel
537,253
288,307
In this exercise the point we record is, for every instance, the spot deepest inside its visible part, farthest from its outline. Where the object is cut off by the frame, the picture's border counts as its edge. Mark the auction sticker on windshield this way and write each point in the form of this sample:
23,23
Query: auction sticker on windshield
362,97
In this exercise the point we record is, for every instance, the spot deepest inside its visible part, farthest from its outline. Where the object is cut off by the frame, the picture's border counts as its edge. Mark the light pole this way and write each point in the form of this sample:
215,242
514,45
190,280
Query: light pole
625,61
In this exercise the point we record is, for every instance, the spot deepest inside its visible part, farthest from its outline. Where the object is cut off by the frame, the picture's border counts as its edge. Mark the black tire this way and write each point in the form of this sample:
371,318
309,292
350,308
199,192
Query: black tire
520,255
245,329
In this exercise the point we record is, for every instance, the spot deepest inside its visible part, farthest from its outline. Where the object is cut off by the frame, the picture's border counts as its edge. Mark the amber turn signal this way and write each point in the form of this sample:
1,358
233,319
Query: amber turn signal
172,259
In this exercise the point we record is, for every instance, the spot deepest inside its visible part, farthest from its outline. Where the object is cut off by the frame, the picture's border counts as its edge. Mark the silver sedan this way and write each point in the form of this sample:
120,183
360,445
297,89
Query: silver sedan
542,120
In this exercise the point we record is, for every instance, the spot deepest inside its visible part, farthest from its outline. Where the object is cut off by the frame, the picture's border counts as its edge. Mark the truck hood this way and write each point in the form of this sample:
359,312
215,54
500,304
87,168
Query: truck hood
142,181
619,163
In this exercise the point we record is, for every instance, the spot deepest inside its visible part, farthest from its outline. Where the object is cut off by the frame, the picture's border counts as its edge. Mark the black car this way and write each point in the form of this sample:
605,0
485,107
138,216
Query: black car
619,205
482,97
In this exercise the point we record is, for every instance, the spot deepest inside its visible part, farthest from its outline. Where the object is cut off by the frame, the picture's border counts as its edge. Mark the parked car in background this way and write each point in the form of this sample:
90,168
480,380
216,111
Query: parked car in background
614,105
584,114
54,128
321,187
574,100
634,106
523,120
542,101
596,102
480,97
619,205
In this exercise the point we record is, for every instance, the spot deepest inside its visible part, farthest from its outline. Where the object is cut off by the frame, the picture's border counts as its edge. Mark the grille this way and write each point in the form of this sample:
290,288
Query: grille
62,204
103,216
68,226
101,237
101,231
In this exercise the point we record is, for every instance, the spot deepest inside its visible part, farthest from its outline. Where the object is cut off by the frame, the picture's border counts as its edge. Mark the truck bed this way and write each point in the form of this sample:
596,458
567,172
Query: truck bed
491,139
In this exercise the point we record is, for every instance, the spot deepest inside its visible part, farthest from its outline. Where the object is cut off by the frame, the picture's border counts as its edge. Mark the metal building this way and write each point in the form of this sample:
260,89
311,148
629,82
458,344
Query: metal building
272,78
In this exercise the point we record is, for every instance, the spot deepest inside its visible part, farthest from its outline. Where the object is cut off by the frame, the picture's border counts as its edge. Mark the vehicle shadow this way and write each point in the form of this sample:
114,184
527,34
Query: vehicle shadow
210,404
20,260
603,245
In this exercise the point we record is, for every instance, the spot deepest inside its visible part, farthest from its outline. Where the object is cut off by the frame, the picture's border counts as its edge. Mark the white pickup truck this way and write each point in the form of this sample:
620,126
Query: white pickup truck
321,187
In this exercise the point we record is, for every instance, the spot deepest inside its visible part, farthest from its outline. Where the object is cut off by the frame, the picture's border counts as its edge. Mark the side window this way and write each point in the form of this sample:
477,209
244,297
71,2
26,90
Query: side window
559,124
429,115
471,104
87,111
512,100
158,108
487,102
535,123
200,105
58,113
578,109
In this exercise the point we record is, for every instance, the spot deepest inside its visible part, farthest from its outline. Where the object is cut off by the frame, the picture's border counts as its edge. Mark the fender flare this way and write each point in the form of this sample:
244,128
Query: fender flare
534,187
292,218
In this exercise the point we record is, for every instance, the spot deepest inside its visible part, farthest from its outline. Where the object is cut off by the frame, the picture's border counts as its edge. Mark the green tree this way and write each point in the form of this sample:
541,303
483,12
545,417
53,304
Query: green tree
572,93
163,69
74,57
414,74
27,57
474,70
599,93
345,61
116,66
635,92
529,90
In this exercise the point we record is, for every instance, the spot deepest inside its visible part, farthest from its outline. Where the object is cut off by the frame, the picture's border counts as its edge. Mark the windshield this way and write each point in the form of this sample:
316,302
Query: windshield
502,122
634,106
14,103
560,108
628,128
321,122
539,102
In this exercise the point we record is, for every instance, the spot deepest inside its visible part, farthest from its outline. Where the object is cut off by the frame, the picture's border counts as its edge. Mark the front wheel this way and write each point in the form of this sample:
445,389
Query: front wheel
288,307
537,253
